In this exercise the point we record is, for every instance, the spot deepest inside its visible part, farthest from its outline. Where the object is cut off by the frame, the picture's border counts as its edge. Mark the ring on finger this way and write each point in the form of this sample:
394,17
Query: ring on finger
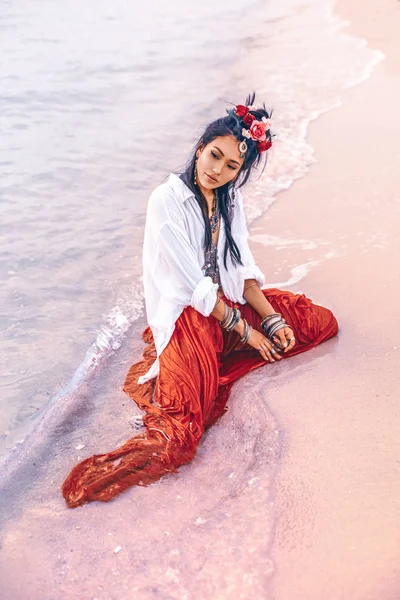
266,350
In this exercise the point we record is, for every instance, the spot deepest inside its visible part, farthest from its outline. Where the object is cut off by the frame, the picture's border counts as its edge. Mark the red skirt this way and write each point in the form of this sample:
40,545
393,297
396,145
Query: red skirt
197,370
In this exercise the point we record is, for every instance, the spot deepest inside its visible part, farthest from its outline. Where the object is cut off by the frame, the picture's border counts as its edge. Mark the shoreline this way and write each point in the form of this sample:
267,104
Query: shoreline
337,532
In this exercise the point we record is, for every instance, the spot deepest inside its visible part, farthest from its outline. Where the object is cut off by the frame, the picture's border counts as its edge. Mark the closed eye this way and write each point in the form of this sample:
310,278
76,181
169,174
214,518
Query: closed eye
217,157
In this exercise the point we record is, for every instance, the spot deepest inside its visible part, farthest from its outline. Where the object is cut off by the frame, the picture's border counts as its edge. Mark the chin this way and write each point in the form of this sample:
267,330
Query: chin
208,184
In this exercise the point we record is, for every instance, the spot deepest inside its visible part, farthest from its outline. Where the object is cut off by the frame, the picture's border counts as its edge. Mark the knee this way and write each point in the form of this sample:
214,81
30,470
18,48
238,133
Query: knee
329,325
316,325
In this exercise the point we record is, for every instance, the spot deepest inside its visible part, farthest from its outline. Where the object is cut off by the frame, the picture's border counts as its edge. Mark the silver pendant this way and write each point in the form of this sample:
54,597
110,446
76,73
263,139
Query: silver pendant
211,268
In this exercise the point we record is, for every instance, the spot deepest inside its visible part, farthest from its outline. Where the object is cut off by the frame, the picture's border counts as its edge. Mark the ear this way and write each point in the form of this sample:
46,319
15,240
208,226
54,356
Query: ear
199,149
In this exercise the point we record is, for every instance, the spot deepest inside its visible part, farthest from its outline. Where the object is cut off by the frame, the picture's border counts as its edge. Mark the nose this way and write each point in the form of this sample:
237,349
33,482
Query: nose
216,170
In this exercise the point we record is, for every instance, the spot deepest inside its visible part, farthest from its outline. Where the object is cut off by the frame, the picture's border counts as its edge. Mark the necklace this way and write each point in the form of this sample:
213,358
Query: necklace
214,219
211,267
211,255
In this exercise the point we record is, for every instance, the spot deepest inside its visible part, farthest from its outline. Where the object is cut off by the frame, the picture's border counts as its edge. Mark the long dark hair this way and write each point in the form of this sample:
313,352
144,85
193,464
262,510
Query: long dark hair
229,125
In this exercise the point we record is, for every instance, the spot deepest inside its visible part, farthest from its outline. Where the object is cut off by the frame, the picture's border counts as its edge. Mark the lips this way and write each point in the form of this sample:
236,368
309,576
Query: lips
212,178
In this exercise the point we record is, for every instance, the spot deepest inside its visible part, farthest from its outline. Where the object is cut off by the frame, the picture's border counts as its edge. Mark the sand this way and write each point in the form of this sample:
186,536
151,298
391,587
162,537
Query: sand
338,485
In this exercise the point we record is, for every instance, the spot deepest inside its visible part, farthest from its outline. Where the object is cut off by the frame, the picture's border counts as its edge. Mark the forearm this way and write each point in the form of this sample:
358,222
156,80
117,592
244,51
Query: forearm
219,313
254,296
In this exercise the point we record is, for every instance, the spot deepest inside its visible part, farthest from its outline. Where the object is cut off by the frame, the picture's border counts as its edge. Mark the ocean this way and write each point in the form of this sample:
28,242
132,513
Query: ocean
99,102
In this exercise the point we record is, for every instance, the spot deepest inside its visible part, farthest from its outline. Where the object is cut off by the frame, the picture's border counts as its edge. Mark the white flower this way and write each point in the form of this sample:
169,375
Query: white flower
267,122
246,133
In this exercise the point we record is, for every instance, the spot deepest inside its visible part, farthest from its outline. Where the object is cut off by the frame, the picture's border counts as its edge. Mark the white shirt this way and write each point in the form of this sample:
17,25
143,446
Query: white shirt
173,259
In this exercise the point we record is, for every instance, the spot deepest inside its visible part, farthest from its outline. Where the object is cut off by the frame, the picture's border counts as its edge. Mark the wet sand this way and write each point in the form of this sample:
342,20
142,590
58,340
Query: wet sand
338,483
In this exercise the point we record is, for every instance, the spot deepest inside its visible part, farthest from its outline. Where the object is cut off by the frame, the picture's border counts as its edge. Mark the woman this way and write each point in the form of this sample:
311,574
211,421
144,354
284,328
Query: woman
209,320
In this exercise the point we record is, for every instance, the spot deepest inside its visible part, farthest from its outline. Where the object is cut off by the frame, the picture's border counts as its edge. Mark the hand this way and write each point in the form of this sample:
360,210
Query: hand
267,350
284,339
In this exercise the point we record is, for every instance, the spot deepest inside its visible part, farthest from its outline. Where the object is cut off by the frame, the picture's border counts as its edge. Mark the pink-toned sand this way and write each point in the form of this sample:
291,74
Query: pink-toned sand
334,486
338,486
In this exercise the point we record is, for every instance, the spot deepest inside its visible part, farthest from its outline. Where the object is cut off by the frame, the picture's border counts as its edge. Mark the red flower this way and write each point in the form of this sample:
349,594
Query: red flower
257,131
248,119
262,146
241,110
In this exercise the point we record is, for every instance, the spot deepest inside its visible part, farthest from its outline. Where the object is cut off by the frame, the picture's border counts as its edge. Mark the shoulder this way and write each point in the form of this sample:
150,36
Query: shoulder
165,194
165,202
173,189
161,194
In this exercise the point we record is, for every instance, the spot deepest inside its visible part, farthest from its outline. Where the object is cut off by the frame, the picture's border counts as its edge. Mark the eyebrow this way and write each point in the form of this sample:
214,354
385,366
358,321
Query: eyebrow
231,159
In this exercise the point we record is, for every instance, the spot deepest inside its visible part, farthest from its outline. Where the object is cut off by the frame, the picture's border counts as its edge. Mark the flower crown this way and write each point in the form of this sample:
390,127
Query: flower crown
257,130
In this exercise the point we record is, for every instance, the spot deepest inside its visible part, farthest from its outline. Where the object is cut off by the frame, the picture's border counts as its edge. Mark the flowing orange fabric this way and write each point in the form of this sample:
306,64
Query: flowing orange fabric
197,370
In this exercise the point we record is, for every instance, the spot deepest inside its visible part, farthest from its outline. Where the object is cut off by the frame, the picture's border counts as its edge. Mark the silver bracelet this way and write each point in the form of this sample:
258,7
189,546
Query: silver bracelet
246,333
235,320
226,315
271,329
269,317
230,319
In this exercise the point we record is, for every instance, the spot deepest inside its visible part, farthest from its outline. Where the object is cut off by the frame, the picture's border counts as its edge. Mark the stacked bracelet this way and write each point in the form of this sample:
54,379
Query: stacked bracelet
273,323
231,318
246,333
234,321
270,317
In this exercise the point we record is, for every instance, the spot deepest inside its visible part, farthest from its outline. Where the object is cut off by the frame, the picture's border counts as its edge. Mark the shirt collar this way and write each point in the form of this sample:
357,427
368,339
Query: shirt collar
180,187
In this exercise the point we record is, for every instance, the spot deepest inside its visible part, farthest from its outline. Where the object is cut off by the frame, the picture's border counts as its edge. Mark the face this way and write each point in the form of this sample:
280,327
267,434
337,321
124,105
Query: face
218,163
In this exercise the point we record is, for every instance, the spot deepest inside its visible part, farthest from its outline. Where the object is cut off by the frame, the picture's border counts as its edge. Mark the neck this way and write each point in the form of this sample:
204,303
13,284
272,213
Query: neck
208,194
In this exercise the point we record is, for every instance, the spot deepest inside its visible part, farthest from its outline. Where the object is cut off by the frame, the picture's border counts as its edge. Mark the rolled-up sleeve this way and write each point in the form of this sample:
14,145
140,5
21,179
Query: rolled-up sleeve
249,269
179,276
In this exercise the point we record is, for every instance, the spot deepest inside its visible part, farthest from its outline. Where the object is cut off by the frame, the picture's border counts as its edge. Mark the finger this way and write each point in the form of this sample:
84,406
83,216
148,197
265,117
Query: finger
291,340
278,342
269,355
288,333
276,353
265,352
280,334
